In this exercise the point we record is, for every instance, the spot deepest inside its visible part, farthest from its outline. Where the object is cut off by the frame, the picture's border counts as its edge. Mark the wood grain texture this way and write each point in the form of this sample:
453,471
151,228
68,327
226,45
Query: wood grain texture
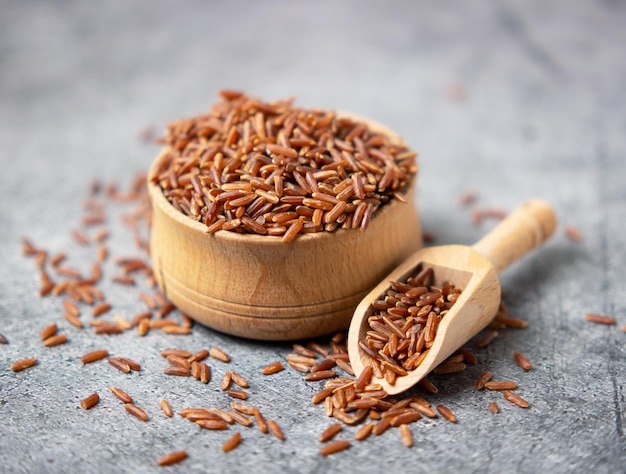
262,288
473,269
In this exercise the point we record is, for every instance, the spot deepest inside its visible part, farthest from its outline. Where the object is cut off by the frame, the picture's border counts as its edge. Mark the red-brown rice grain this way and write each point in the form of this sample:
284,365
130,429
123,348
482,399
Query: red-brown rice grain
406,436
119,364
232,442
522,361
446,413
276,430
364,432
600,319
487,339
22,364
483,379
55,340
219,354
239,394
272,368
330,432
176,352
501,385
335,447
136,411
515,399
94,356
172,458
90,401
49,331
121,394
199,356
260,422
321,375
101,309
212,424
240,418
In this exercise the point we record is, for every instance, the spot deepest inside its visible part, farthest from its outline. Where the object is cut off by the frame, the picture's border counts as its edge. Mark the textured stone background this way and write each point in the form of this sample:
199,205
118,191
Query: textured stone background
543,116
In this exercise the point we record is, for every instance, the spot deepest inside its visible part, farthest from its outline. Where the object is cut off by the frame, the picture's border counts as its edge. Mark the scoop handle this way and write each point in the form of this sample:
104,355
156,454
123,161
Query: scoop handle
525,228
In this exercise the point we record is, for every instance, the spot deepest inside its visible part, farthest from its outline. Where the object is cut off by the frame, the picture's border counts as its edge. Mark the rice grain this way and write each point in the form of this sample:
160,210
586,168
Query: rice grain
335,447
501,385
272,368
522,361
119,365
212,424
101,309
23,364
55,340
330,432
515,399
232,442
136,412
172,458
48,331
446,413
239,394
600,319
483,379
90,401
121,394
406,436
94,356
219,354
364,432
275,430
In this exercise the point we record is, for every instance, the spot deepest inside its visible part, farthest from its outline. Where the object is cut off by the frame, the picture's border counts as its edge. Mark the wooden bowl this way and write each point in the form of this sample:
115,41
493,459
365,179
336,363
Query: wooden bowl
258,287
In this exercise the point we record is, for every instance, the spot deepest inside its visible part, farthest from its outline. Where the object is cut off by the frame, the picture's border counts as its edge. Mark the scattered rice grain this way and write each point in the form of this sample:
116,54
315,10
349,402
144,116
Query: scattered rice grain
55,340
501,385
232,443
48,331
446,413
94,356
515,399
522,361
172,458
335,447
136,411
23,364
90,401
600,319
483,379
272,368
121,394
239,394
330,432
276,430
406,435
219,354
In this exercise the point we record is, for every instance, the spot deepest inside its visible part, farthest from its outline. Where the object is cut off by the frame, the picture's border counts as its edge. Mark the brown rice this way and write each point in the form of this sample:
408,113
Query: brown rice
23,364
90,401
232,442
172,458
246,163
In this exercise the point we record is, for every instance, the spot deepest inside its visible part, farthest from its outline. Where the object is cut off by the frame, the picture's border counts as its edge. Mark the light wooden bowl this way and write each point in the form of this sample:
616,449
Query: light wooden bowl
258,287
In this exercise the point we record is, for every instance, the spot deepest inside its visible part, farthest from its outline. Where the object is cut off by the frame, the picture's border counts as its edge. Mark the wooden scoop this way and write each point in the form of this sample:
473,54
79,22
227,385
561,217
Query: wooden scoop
473,269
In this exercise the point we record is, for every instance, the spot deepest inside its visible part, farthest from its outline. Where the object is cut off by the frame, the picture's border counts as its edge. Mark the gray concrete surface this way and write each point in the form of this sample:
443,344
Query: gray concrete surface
544,115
